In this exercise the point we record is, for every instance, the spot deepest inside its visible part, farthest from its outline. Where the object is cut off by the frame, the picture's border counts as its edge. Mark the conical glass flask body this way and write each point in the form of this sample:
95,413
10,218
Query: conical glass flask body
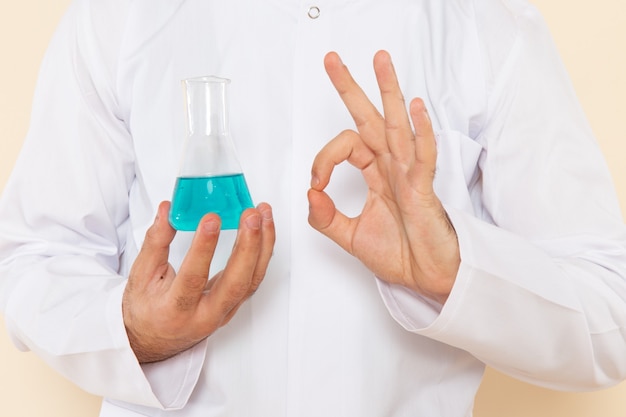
210,178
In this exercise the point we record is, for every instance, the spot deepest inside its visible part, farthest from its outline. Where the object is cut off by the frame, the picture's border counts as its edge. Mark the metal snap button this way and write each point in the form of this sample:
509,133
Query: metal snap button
314,12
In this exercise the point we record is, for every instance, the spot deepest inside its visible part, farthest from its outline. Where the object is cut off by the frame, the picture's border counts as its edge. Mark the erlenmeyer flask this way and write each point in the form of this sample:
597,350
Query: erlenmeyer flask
210,178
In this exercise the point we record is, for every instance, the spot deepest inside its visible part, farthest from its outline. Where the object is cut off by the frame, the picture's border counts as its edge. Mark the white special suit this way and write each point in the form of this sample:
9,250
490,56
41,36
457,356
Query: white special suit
540,295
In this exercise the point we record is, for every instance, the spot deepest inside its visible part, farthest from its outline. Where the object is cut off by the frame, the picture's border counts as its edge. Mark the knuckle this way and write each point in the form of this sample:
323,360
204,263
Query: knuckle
185,303
151,235
256,283
194,282
238,291
392,125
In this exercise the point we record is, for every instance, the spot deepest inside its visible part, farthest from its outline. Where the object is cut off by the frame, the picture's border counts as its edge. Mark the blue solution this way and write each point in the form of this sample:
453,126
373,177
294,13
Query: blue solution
225,195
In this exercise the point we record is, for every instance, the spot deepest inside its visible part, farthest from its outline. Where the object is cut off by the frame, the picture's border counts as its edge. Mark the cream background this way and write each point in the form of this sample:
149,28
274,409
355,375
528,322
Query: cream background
592,39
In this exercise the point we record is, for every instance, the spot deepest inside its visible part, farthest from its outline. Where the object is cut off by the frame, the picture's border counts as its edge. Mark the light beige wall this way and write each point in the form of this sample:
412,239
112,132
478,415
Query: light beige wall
592,40
591,36
28,388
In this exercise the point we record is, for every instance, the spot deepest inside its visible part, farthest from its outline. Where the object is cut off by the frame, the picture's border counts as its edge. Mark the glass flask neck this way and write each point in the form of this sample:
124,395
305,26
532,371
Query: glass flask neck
206,105
209,150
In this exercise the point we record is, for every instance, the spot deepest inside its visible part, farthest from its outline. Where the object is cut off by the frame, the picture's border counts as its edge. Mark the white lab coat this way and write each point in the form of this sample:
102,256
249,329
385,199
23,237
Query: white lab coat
540,293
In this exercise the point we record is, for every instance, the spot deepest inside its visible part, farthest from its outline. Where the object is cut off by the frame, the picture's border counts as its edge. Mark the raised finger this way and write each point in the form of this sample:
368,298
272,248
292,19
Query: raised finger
267,245
159,236
397,126
425,144
154,254
235,281
268,238
368,119
194,271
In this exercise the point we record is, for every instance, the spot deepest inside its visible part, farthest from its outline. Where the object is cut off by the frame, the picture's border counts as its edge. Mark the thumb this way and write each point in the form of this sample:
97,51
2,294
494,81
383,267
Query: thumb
326,219
156,246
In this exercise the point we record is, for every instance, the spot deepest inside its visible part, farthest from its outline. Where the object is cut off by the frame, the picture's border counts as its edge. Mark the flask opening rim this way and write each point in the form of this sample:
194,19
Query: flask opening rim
207,79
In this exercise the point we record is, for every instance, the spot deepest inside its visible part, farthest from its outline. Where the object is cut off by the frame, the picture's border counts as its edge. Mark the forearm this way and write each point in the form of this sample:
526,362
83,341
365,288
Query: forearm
549,318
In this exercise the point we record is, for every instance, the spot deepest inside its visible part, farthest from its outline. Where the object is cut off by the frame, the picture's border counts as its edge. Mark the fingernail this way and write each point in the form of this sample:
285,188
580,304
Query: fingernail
314,181
426,114
254,221
211,226
267,214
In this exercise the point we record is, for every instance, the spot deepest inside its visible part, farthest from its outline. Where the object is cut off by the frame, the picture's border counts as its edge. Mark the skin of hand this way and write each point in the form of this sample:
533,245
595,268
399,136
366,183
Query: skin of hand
403,234
167,312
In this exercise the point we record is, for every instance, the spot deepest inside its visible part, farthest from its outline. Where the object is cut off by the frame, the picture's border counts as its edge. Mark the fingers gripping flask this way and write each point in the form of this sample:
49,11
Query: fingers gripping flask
210,178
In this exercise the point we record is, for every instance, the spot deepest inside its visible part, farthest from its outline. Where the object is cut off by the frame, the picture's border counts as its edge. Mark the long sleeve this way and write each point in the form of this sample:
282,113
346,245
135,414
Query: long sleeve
64,222
541,291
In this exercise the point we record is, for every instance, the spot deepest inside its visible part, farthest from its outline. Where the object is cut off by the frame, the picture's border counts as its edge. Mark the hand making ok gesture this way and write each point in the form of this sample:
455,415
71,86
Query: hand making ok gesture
403,233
